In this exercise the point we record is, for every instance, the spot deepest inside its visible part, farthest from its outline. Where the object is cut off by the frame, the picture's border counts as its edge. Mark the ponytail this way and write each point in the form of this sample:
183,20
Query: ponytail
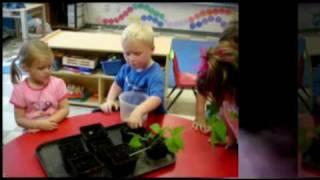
15,73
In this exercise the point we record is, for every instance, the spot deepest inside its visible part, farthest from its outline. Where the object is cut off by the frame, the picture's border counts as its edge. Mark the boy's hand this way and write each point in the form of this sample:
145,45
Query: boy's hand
135,119
47,125
201,125
107,106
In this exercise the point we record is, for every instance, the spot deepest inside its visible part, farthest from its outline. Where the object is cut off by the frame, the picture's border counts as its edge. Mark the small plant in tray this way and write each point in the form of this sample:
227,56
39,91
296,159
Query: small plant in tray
159,145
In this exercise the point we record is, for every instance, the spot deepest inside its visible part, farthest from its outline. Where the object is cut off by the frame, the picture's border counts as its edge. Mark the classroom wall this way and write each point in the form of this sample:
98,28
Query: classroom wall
200,17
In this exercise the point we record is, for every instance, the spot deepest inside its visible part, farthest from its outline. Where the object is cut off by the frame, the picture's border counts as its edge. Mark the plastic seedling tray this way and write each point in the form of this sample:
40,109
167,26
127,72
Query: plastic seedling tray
93,131
85,165
69,148
158,150
121,164
125,133
53,162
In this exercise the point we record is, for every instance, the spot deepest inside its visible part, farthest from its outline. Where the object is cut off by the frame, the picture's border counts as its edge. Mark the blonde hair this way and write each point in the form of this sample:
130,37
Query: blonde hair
28,54
139,31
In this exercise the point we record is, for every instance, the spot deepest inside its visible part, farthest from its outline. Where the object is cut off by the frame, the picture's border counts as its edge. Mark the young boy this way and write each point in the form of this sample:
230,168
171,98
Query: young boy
140,73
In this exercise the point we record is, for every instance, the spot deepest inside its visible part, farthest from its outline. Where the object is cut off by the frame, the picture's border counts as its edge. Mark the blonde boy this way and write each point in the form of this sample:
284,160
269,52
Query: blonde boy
140,73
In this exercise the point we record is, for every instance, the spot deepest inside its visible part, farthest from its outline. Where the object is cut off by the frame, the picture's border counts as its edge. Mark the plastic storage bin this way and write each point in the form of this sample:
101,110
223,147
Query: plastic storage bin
111,67
128,101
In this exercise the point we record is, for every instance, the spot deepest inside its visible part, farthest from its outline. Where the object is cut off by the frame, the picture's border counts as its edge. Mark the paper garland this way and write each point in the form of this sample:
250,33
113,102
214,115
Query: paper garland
196,21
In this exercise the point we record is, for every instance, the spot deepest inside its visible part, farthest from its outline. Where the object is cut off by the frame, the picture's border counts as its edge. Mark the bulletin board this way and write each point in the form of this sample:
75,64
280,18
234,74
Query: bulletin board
202,17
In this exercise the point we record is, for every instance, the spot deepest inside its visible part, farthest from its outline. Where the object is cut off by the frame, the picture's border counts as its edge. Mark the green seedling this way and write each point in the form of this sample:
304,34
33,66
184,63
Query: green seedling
174,142
217,125
218,130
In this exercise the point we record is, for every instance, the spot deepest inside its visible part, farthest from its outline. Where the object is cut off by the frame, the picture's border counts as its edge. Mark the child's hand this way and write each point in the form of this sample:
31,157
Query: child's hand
107,106
201,125
47,125
32,130
135,119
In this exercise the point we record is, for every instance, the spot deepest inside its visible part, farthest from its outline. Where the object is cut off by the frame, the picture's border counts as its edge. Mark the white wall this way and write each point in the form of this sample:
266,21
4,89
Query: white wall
175,15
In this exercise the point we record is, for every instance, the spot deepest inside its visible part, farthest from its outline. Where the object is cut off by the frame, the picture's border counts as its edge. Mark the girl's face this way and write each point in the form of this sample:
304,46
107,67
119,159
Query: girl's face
137,53
40,71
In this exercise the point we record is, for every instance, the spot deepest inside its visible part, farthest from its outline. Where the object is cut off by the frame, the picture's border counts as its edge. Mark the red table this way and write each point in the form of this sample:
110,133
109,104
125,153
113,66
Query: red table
197,159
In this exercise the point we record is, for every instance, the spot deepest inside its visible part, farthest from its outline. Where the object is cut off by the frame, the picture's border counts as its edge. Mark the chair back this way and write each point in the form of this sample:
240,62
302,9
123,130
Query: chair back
176,69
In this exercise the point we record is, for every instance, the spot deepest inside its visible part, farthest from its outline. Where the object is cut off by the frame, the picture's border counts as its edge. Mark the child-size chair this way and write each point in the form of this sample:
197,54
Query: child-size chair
183,80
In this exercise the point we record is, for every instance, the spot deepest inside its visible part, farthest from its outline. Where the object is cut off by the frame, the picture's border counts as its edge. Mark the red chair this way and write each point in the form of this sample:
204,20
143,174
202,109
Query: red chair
183,80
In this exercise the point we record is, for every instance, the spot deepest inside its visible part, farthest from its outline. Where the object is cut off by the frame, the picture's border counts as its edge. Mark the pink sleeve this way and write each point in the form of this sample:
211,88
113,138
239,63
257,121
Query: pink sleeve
61,92
17,98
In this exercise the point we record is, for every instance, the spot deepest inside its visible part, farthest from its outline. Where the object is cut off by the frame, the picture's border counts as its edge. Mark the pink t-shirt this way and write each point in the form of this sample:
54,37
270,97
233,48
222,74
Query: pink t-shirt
45,100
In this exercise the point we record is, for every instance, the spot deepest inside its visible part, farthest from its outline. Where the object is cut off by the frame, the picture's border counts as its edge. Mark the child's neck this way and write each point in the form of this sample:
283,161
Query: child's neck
146,67
35,84
149,64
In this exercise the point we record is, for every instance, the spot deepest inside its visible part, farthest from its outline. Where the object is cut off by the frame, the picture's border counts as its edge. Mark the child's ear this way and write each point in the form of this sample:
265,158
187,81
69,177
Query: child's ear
25,67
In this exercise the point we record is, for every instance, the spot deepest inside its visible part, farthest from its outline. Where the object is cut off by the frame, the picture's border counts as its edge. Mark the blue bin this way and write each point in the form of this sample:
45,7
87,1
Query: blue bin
111,67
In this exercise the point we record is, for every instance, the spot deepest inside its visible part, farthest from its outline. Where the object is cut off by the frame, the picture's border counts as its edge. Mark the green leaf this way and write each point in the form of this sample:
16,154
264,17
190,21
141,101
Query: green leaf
135,142
172,147
178,142
177,131
149,135
211,120
213,109
220,129
156,128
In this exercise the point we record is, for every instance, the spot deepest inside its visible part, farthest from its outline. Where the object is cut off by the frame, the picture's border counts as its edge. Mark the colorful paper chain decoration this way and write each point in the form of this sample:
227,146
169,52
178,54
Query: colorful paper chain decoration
210,15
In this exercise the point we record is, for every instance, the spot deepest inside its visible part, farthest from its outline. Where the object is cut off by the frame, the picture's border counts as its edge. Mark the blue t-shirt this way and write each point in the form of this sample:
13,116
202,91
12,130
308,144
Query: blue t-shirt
149,81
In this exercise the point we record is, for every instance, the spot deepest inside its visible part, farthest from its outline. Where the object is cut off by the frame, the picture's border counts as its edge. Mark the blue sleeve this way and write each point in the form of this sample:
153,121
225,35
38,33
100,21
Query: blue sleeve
121,75
156,87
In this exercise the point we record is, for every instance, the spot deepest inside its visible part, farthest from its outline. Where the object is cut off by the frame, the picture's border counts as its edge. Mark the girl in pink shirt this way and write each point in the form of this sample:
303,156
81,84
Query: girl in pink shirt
39,100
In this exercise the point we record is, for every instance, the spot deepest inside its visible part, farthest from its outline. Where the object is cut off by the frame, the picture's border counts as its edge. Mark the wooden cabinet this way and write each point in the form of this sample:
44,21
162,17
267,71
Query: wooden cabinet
101,45
63,15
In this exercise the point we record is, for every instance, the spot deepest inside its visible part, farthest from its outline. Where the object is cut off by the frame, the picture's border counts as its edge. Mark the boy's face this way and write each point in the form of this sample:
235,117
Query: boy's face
137,53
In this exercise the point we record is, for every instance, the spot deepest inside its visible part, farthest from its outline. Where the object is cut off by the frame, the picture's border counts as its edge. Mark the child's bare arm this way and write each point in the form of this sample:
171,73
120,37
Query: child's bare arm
150,104
200,119
135,119
114,92
61,113
26,123
110,102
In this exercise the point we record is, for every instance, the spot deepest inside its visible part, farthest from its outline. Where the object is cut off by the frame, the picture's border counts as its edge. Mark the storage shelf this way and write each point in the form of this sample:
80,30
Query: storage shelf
92,102
97,74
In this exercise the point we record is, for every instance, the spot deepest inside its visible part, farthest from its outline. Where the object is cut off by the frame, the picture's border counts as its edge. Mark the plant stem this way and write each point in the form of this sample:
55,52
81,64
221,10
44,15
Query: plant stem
141,150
